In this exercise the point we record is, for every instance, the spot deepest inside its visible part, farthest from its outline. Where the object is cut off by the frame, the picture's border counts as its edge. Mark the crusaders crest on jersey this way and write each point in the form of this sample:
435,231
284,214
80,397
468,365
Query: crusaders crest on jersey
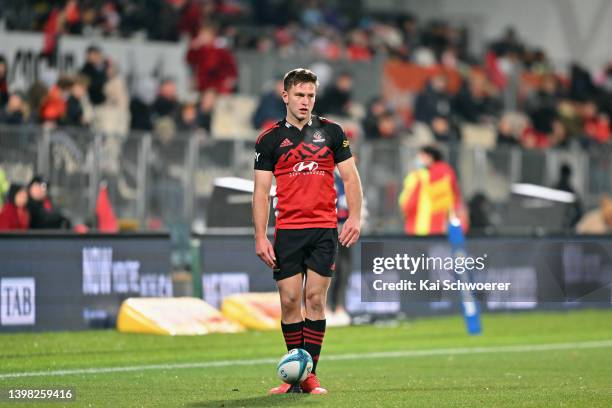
317,137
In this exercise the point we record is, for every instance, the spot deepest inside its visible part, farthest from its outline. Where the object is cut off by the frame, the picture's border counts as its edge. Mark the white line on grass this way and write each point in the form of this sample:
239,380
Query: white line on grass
334,357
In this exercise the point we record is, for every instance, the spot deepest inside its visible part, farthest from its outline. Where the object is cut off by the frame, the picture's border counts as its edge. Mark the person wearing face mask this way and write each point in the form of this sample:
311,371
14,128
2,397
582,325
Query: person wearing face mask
430,195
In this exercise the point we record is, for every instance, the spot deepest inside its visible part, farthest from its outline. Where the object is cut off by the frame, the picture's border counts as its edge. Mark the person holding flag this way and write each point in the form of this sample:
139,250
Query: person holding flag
430,195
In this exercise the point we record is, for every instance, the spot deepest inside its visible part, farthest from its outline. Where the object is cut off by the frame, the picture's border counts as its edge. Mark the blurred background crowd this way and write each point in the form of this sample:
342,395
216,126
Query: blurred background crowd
510,87
511,83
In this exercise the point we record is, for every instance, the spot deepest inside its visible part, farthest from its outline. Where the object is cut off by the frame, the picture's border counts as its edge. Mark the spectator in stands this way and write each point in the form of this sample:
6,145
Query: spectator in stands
598,220
14,213
376,108
546,129
312,14
574,211
387,39
72,17
509,43
581,85
42,213
271,107
188,119
604,80
480,209
596,123
264,44
166,103
509,128
15,111
35,96
570,116
386,126
95,69
79,111
433,107
436,37
165,111
449,58
190,19
4,93
140,104
90,18
52,29
161,19
540,63
430,195
327,45
565,177
336,99
410,36
113,119
206,109
501,55
285,39
475,102
211,65
110,19
358,48
113,116
53,106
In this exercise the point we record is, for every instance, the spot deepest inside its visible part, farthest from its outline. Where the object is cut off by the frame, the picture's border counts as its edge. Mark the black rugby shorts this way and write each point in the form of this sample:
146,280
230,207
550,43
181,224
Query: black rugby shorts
299,249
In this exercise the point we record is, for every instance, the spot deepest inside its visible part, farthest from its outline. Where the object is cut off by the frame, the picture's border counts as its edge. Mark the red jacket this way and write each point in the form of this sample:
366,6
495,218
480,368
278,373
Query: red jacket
51,33
53,106
212,66
13,218
597,129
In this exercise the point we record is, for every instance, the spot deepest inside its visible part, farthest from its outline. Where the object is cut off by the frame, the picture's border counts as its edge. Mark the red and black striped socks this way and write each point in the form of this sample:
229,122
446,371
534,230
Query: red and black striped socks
293,334
314,330
307,334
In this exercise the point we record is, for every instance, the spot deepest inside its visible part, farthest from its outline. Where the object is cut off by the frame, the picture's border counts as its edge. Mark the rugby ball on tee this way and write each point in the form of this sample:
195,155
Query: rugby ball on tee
294,367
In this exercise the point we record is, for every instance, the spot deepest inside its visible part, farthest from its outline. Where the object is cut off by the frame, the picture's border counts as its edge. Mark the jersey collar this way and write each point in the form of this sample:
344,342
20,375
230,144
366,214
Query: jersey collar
289,125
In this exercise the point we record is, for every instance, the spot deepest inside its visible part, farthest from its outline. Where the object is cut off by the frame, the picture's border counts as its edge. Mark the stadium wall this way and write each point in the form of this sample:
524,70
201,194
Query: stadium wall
54,281
569,30
75,282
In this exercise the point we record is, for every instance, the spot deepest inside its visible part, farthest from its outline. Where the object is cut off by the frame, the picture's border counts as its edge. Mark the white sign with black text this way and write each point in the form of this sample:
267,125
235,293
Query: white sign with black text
17,301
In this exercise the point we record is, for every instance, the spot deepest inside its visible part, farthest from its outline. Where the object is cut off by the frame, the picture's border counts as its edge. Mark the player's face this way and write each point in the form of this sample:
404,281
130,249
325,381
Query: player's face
300,100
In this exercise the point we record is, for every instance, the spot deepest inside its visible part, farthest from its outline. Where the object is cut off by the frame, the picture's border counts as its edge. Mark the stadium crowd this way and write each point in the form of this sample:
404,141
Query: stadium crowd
30,207
510,86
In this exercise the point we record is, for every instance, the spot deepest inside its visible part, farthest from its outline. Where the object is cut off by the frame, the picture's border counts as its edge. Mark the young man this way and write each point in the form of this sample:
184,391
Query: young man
301,152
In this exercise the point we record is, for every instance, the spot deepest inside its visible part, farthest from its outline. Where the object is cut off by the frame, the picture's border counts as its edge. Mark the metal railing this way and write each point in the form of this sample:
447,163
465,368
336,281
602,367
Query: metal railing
164,182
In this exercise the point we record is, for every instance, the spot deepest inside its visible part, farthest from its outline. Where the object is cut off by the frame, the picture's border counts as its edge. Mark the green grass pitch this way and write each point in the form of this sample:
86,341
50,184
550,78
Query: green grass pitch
521,360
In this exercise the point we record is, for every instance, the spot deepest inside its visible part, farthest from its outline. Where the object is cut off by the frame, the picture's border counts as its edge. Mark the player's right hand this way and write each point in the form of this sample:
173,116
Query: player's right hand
265,251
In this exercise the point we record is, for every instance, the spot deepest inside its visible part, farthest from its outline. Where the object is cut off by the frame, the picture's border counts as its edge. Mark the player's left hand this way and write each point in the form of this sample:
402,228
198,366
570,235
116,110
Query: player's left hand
350,232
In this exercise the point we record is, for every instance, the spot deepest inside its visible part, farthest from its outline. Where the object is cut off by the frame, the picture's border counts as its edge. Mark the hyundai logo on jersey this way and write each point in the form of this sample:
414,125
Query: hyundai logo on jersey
307,165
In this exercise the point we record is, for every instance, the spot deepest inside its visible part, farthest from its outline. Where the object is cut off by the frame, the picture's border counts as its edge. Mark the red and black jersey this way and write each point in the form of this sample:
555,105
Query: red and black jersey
303,163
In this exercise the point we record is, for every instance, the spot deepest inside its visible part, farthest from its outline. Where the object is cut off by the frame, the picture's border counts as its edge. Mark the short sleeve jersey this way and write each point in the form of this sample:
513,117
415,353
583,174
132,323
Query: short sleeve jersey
303,163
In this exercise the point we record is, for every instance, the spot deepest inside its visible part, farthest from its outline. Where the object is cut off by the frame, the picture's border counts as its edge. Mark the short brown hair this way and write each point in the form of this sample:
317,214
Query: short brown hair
299,76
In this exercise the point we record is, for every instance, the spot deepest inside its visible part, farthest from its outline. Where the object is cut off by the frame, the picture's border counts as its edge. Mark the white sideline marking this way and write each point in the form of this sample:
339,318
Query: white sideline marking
334,357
